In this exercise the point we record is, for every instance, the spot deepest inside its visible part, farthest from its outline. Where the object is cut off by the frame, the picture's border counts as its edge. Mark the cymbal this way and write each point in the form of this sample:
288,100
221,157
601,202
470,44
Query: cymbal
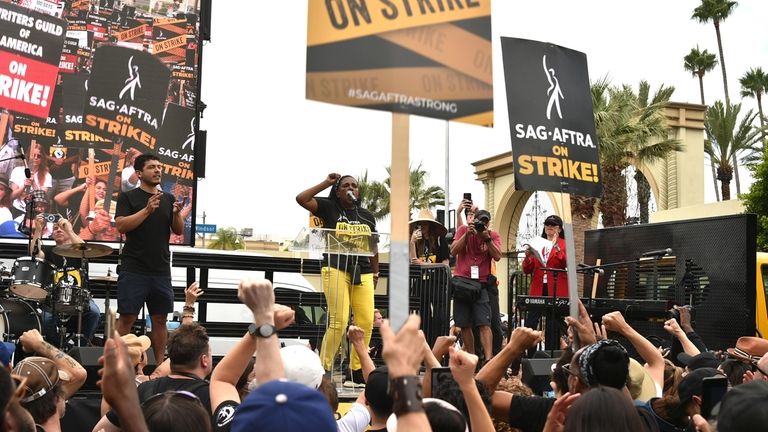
82,250
103,278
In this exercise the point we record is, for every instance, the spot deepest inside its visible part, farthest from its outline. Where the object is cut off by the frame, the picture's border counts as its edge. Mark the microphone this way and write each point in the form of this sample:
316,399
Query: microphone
351,196
657,253
27,172
591,269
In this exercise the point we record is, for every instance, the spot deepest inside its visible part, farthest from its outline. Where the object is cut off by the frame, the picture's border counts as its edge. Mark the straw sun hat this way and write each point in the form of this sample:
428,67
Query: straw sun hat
426,216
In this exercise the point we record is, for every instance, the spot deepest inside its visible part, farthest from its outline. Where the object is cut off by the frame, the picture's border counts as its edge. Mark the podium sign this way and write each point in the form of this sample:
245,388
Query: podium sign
317,241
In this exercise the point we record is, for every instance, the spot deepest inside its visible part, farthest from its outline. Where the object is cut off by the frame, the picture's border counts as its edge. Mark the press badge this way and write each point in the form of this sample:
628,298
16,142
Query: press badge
474,272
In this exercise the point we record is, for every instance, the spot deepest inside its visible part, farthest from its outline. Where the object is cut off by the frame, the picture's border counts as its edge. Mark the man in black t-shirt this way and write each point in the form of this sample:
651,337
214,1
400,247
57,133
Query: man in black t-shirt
189,352
147,215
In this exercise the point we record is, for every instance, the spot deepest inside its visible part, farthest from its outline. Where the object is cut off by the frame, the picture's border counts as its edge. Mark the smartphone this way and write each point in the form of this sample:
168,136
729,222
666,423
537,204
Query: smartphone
441,376
712,391
468,196
109,323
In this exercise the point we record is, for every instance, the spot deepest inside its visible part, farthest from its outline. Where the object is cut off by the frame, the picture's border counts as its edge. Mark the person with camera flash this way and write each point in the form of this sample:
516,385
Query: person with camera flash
475,246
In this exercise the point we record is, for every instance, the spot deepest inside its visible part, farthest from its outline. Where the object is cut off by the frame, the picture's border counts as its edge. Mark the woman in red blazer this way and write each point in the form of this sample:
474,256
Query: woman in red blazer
542,283
554,256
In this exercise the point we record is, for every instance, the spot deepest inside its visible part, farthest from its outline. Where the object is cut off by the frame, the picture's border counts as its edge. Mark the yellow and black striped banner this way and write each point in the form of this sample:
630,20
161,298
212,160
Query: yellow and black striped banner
425,58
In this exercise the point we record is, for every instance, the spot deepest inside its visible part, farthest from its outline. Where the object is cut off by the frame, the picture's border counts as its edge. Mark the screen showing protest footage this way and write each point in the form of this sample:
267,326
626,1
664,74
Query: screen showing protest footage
86,86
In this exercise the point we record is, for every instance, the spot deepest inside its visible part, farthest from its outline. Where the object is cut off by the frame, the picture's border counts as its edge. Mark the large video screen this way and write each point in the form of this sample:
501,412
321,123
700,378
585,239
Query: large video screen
85,87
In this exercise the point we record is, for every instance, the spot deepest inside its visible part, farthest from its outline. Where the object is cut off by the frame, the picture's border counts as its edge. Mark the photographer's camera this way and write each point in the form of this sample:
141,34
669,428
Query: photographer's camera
479,226
51,217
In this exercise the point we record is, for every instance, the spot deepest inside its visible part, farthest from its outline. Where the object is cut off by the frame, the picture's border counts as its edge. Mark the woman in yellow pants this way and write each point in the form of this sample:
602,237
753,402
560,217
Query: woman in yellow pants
348,279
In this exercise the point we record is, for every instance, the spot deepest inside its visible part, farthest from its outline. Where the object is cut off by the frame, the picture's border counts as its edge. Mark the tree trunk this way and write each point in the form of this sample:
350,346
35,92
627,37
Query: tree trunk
728,102
643,195
758,96
613,204
724,174
722,61
711,165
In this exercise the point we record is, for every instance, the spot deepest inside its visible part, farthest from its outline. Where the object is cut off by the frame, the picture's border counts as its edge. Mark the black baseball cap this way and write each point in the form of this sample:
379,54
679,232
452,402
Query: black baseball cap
483,214
553,220
702,360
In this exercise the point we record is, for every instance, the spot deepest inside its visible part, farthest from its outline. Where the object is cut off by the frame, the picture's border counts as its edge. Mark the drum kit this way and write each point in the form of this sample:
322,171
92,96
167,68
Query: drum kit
34,285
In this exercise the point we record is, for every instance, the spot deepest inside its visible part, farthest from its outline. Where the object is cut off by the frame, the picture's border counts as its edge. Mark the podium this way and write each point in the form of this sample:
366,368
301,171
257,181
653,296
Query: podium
342,249
329,241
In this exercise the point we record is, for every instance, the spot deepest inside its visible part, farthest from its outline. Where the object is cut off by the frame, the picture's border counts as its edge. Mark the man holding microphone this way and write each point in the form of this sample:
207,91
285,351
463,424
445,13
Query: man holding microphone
147,215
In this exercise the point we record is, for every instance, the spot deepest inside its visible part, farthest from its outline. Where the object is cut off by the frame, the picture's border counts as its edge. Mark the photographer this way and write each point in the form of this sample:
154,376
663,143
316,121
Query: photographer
427,243
475,247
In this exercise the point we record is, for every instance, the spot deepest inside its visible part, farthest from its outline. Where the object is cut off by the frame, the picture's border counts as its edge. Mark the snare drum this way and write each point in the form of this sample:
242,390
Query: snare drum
16,317
68,298
32,278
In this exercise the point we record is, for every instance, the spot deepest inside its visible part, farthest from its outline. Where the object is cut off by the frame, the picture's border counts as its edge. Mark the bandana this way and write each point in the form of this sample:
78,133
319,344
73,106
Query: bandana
586,359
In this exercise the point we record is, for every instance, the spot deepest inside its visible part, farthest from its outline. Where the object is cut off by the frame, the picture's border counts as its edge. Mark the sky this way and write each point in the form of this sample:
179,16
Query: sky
266,142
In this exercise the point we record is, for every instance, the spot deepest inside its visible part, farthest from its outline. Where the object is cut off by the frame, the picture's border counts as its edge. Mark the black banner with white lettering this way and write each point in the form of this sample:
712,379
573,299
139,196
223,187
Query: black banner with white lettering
126,95
551,121
73,103
176,142
30,49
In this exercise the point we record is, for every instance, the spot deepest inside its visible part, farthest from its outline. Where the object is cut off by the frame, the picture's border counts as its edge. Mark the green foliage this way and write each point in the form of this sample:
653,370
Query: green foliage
729,138
375,195
631,129
227,239
756,201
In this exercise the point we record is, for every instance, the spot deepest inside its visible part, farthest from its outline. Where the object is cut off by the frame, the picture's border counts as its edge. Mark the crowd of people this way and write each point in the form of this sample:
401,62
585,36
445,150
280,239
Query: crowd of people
259,385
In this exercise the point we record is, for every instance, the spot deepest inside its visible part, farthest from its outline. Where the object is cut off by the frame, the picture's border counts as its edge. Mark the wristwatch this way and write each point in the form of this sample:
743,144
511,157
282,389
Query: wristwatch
264,330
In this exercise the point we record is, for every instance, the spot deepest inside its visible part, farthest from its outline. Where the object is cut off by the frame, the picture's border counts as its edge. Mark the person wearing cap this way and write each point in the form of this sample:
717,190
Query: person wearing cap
427,244
40,180
674,413
276,404
258,295
475,246
50,380
5,200
543,283
13,416
347,279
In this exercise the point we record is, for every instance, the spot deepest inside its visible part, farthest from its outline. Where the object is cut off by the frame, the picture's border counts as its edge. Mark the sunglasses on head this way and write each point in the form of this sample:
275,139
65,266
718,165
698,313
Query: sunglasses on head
172,394
567,368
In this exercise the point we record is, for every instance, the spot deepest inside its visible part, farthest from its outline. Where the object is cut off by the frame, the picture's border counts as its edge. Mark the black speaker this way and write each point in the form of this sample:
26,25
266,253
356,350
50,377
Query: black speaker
537,372
200,145
88,357
205,20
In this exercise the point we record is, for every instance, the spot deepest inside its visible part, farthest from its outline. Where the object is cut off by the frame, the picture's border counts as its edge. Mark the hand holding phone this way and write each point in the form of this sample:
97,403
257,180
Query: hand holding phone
712,391
441,376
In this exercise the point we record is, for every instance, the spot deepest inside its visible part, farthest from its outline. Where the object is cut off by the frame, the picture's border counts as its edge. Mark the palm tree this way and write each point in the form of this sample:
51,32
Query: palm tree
631,129
753,84
726,141
699,63
717,11
375,196
227,239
